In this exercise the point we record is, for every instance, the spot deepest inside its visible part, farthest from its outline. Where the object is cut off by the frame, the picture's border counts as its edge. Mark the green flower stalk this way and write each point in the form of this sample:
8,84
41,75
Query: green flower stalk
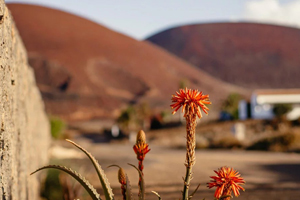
192,102
141,148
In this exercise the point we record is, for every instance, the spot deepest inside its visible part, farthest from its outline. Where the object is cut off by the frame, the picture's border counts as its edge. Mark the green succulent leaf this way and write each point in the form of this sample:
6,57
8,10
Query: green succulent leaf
89,188
114,166
128,189
142,186
102,177
159,198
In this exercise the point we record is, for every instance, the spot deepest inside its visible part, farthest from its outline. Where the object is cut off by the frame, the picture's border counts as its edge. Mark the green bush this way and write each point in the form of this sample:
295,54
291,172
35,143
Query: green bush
52,188
231,105
127,118
134,117
280,110
58,127
228,142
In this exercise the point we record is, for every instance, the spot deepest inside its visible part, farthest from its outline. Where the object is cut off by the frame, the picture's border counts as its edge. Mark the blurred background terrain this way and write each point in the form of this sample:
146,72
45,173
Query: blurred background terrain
101,86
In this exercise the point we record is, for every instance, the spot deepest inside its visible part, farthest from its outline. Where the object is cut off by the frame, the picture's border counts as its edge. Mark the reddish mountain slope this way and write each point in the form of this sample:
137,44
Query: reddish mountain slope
85,70
245,54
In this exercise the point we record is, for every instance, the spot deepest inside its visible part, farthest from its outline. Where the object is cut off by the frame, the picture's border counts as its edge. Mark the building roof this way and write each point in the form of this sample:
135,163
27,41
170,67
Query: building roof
275,96
276,91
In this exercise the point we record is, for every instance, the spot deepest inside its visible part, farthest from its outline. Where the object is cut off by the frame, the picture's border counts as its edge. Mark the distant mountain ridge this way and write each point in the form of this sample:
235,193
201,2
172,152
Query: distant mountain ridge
87,71
246,54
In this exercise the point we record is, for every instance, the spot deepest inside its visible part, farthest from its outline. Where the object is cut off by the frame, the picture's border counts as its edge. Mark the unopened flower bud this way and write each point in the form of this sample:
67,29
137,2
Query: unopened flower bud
122,176
141,137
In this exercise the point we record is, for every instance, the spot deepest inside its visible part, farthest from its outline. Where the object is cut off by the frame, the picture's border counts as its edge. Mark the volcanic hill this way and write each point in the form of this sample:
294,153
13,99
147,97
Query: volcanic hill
246,54
86,71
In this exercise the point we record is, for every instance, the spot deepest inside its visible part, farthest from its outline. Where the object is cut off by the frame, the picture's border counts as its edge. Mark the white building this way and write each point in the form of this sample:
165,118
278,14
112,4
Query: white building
263,101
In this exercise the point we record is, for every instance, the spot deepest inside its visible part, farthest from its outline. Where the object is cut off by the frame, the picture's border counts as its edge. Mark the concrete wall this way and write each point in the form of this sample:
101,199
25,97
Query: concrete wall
24,133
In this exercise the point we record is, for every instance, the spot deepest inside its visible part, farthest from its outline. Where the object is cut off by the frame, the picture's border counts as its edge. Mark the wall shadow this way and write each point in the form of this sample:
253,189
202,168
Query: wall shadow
288,172
104,137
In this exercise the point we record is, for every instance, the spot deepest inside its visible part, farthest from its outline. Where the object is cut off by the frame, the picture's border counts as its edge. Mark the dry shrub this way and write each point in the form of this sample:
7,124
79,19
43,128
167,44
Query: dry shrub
227,142
201,142
282,142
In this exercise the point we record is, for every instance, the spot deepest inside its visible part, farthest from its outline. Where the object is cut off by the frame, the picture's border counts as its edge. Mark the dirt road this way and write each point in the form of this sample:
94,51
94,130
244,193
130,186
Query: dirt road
269,175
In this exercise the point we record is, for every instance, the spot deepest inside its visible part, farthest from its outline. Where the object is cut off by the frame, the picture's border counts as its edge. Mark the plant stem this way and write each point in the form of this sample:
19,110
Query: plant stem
123,189
190,150
226,194
141,167
188,175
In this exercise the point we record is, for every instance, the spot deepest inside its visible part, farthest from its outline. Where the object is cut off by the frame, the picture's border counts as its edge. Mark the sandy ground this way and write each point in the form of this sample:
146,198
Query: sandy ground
269,175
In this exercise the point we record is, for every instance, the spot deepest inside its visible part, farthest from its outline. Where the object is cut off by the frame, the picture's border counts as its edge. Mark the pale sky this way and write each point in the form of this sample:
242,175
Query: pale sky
142,18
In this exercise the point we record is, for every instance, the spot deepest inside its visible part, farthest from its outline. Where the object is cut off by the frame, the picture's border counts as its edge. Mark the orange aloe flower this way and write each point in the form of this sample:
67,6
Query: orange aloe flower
141,150
226,181
194,99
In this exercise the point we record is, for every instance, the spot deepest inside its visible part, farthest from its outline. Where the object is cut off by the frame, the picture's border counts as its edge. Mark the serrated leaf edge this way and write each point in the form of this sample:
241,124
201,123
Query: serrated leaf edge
128,189
142,186
102,177
89,188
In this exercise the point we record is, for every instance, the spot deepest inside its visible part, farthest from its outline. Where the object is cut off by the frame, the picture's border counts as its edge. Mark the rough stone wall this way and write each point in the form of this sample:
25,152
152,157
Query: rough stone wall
24,134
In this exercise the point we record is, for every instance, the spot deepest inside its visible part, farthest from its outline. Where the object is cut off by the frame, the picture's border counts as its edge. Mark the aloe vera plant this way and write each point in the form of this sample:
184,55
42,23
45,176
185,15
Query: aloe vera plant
192,102
102,177
89,188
